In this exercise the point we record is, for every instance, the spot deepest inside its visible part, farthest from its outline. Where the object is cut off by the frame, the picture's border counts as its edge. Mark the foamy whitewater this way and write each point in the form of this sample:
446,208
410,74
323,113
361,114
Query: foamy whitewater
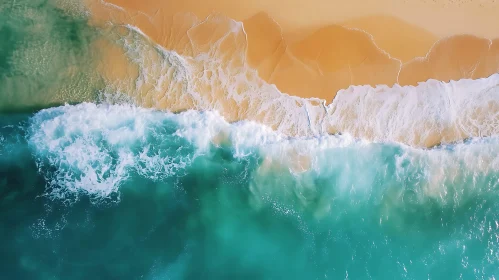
140,162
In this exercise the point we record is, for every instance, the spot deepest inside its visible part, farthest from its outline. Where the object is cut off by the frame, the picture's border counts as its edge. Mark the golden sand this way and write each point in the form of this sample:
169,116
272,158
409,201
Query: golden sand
318,48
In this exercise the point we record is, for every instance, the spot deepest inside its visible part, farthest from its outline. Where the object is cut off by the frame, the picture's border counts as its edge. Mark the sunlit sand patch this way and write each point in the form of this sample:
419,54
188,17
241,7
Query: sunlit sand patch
400,39
266,45
453,58
336,57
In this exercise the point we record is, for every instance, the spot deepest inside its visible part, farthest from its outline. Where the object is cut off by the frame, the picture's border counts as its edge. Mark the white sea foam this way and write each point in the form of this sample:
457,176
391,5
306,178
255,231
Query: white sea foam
431,112
95,149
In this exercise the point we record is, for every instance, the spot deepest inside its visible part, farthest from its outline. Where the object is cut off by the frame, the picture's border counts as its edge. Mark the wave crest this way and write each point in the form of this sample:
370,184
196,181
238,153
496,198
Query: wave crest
95,149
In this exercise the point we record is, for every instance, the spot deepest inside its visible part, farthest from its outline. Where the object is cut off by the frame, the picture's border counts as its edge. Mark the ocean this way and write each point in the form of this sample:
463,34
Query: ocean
170,166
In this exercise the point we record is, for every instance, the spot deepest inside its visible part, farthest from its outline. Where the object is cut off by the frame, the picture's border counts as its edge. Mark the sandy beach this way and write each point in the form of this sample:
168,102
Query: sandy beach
316,49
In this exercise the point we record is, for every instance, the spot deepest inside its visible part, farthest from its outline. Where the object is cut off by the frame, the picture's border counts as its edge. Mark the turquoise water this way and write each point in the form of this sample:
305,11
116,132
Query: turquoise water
120,192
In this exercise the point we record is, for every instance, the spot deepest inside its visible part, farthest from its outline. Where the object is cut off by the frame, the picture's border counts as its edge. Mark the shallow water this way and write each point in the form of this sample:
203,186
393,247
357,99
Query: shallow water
153,195
44,56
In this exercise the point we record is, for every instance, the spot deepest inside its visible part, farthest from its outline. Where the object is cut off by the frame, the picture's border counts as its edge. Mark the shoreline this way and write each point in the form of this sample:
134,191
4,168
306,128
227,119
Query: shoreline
360,50
248,71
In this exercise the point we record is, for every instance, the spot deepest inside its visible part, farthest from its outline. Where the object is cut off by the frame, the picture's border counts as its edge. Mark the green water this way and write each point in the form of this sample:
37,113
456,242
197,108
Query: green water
99,191
142,194
45,55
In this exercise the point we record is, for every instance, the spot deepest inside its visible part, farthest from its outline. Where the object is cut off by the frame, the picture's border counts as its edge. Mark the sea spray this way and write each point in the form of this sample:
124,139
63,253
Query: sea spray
190,195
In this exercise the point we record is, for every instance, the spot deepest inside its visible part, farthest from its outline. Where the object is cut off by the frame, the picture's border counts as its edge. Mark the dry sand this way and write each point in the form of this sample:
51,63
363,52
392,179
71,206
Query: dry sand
314,48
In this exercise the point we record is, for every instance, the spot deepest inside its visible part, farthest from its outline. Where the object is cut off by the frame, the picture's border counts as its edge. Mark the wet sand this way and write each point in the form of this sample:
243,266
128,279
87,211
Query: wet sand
239,59
314,50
